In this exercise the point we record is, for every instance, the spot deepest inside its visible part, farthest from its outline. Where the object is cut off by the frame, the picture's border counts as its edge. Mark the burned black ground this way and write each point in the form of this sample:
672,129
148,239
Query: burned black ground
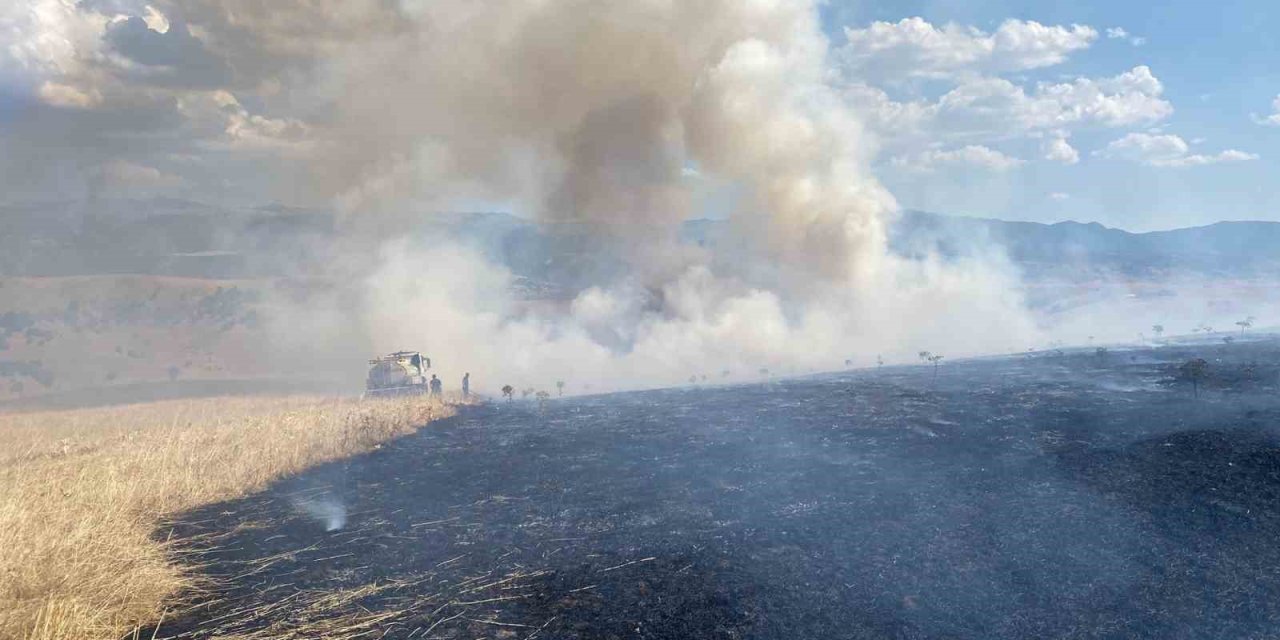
1055,496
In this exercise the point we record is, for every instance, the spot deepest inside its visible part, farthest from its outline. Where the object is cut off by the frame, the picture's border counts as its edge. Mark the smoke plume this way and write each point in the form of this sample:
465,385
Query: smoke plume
617,116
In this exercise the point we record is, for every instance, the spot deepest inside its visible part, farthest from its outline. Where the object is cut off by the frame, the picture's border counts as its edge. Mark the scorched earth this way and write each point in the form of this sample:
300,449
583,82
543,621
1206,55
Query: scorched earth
1059,495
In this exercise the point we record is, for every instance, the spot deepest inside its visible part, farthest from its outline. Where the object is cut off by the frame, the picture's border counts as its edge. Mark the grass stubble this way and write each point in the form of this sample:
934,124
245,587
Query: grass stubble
83,492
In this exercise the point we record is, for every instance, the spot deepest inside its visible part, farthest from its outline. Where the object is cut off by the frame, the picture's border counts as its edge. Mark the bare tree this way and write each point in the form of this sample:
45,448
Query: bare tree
1245,324
1195,372
935,359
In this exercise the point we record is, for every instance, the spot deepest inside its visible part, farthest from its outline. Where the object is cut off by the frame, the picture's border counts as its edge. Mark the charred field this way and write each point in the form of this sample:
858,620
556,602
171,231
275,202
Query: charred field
1056,495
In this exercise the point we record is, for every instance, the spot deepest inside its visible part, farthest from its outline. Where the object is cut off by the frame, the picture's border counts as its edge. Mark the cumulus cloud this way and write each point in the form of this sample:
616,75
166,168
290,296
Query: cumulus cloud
982,103
303,80
1119,33
915,47
130,177
976,156
48,37
1059,196
56,94
1167,150
228,124
1057,149
172,56
1131,98
1272,120
998,108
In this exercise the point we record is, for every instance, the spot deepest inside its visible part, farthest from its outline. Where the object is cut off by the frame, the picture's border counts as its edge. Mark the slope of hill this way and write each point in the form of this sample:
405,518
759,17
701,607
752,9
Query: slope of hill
1223,249
178,238
134,292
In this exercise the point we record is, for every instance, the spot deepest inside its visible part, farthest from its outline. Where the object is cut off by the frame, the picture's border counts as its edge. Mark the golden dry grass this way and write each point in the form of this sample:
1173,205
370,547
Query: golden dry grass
81,493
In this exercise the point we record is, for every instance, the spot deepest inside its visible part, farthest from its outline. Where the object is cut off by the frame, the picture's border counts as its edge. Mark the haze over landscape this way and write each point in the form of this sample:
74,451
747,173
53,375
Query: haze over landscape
770,312
316,146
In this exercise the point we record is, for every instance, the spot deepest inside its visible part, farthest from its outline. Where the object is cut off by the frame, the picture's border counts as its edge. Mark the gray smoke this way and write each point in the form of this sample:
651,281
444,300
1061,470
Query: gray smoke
326,510
617,114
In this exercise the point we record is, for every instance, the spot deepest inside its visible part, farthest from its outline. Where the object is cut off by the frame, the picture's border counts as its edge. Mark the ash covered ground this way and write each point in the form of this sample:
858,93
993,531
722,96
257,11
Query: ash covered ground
1061,495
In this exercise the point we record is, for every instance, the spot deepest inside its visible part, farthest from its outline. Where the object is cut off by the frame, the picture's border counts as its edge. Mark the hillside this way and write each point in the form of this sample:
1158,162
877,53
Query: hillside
166,296
178,238
1223,249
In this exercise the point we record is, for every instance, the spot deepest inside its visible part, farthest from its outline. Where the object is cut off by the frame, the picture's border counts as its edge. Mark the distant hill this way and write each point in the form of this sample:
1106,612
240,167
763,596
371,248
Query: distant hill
1223,249
179,238
167,295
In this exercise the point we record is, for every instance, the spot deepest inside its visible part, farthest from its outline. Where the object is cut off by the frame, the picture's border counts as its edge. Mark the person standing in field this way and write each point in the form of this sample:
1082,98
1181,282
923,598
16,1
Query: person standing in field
466,385
437,387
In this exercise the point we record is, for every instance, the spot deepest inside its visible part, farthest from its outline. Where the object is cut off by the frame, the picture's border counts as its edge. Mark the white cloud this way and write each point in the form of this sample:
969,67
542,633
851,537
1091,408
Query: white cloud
914,47
64,95
998,108
1059,196
127,176
1119,33
971,155
156,20
1133,97
47,37
1272,120
223,114
1059,150
1166,151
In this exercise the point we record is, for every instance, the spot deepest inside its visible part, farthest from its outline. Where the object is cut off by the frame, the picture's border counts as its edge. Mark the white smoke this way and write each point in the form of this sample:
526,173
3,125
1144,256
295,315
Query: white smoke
594,111
326,510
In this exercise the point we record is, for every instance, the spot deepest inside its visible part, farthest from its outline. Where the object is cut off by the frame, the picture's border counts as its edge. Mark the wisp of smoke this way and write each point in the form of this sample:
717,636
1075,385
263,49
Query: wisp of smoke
616,115
327,510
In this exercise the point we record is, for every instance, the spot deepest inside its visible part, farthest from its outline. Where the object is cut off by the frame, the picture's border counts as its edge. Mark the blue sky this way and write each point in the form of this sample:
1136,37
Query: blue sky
1219,65
1130,115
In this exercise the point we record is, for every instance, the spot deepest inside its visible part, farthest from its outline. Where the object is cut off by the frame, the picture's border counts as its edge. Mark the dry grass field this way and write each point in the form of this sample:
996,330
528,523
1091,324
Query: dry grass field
82,493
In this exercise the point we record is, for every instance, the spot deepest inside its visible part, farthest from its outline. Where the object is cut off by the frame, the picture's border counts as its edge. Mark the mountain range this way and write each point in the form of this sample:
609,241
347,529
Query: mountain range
180,238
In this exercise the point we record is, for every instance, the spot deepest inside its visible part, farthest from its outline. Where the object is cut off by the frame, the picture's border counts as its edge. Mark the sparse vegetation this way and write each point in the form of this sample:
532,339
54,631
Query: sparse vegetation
509,392
1245,324
82,493
1194,371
